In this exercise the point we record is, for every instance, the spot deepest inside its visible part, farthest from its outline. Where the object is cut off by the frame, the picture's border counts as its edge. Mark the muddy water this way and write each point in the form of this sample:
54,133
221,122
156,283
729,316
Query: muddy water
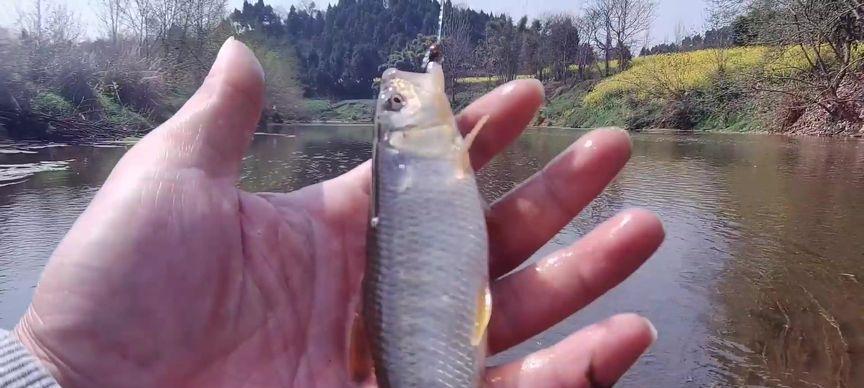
760,282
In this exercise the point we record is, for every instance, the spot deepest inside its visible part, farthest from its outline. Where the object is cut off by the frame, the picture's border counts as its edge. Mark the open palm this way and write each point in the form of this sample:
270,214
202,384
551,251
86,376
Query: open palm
174,277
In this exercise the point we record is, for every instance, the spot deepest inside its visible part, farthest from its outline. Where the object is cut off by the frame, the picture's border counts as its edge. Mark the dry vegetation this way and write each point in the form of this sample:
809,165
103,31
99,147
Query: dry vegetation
152,56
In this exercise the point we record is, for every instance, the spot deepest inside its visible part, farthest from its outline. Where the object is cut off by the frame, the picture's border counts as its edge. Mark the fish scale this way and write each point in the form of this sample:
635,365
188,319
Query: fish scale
427,268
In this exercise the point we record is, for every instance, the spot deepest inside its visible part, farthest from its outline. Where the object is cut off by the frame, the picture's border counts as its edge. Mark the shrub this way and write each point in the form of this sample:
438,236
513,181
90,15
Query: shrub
283,92
119,116
51,104
74,81
133,82
670,76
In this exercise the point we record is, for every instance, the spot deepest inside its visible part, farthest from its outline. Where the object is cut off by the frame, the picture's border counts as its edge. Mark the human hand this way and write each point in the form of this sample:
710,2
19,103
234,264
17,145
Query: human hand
174,277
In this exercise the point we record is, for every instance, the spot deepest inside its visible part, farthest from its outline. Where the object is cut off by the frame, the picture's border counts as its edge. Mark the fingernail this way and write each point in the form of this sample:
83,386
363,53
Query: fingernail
222,54
621,225
599,143
610,129
539,85
508,88
653,330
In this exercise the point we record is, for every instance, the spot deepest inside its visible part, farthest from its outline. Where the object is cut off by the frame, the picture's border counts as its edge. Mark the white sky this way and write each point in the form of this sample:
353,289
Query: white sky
671,14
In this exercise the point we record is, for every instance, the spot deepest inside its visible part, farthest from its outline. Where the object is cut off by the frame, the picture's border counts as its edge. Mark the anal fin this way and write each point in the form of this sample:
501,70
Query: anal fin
360,365
484,314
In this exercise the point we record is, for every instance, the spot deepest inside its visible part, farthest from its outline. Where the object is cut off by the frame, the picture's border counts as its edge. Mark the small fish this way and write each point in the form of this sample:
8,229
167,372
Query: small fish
426,302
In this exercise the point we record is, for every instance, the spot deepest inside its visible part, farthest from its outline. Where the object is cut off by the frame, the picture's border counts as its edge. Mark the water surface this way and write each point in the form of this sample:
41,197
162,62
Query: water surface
759,282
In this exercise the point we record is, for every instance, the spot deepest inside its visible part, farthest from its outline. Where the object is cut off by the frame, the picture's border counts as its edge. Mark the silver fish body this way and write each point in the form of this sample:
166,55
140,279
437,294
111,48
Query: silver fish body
426,302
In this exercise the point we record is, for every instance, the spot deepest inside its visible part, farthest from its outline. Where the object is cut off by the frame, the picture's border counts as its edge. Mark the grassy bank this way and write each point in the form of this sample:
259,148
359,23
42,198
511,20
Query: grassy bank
706,90
346,111
700,90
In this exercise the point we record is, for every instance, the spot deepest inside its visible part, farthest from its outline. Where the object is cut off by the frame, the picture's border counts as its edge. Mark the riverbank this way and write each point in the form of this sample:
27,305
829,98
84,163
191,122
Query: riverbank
338,112
49,117
698,112
730,90
699,99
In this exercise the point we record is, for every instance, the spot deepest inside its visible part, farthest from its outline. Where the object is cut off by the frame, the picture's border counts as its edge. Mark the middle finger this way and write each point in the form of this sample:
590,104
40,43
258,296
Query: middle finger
537,297
526,218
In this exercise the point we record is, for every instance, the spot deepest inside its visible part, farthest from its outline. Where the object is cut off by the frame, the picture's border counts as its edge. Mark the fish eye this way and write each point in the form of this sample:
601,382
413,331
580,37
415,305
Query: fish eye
395,103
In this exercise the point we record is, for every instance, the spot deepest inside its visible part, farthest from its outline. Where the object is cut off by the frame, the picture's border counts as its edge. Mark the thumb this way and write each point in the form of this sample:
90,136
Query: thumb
213,129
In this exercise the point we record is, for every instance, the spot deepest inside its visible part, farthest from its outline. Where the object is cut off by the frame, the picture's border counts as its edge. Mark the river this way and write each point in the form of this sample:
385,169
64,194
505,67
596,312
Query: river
760,281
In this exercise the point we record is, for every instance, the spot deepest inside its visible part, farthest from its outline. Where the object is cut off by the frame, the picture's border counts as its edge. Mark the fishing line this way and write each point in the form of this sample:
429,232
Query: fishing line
441,22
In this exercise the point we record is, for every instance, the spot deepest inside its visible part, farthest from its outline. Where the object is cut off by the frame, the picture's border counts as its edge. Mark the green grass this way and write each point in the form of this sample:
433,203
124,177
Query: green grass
595,70
681,91
51,104
672,75
705,90
488,80
120,116
316,107
342,111
741,117
567,110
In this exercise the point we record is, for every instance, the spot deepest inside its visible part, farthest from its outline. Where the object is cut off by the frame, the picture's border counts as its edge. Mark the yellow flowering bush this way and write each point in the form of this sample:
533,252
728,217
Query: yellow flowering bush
667,75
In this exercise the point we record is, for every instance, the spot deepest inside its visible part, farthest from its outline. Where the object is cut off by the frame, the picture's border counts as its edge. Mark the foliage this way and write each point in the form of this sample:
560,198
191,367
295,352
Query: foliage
51,104
827,33
712,38
343,111
282,91
722,106
409,58
316,107
156,52
133,81
341,48
672,75
119,116
74,80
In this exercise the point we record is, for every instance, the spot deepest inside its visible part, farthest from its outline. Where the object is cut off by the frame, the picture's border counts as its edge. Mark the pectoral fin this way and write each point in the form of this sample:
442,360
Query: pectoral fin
471,136
484,314
465,168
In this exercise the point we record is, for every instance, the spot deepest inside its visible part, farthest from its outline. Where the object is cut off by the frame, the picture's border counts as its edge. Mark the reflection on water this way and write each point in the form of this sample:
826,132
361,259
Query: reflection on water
759,282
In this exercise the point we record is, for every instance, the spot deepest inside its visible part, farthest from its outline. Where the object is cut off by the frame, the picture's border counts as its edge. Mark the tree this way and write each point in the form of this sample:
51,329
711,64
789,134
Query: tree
410,58
63,26
629,19
32,20
178,28
308,6
813,51
500,50
50,23
49,31
136,16
284,96
534,50
722,13
458,46
721,16
599,15
110,14
565,44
